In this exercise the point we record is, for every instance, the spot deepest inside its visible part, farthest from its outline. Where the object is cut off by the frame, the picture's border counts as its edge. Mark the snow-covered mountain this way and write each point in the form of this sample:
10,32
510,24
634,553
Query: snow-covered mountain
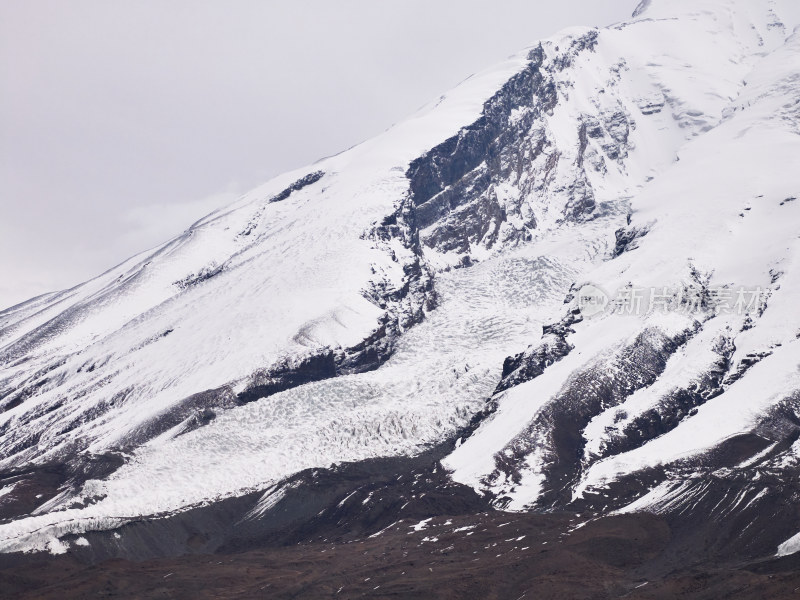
577,276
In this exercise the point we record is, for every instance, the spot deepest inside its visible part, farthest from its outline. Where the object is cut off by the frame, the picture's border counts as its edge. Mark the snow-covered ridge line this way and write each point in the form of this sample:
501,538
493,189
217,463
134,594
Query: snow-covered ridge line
399,290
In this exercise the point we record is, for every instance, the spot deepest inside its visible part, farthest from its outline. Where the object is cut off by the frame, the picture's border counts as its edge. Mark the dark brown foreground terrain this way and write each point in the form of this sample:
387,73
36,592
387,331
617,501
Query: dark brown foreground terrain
488,555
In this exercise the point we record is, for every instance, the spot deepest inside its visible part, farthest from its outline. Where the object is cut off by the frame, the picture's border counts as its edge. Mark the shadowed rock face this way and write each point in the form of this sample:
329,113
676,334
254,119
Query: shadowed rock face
487,138
454,185
673,407
557,429
532,363
298,185
36,486
627,239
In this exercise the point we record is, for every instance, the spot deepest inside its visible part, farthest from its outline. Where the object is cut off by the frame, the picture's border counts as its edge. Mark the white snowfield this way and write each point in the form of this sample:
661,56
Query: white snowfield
722,210
711,92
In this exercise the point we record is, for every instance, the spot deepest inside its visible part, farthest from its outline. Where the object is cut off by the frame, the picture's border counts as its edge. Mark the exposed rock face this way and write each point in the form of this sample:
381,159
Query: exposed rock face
406,304
555,433
530,364
672,408
298,185
627,239
481,187
453,184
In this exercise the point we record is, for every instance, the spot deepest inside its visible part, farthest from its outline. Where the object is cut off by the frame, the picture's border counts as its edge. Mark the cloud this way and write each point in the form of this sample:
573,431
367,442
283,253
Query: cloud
136,229
149,225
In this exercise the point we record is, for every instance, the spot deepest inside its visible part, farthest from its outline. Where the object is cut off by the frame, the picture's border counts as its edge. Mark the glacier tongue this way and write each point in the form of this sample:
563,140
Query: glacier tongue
364,306
438,378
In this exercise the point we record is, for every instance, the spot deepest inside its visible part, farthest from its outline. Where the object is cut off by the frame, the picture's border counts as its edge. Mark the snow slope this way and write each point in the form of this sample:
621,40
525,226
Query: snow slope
719,218
375,302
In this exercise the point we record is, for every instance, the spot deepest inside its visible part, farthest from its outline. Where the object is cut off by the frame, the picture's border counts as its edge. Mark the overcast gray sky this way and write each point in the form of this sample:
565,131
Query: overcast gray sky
124,121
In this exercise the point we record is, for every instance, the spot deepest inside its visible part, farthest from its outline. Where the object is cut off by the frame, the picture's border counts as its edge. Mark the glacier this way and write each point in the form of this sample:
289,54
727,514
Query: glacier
421,288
